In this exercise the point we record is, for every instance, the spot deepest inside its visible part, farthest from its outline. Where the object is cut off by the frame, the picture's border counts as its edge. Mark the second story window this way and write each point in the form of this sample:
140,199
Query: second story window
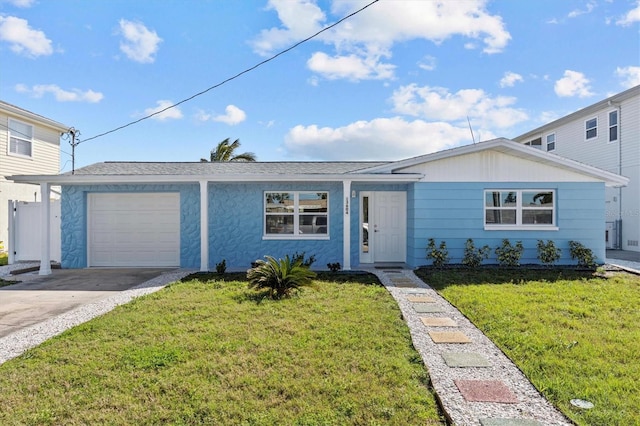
613,126
591,128
536,143
551,142
20,138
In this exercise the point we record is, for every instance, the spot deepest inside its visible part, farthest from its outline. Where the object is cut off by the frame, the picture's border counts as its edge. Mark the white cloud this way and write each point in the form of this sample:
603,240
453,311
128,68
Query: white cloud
351,67
139,44
61,95
170,114
630,76
23,39
378,139
437,103
233,115
631,16
577,12
364,42
510,79
19,3
573,83
428,63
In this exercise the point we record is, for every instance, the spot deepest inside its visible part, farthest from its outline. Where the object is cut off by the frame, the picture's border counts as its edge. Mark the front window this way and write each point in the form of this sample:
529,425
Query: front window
551,142
613,126
536,143
591,128
20,138
519,208
296,214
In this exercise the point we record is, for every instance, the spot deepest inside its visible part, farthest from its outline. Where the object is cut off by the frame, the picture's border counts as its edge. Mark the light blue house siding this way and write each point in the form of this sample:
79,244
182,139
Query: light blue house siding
74,220
453,212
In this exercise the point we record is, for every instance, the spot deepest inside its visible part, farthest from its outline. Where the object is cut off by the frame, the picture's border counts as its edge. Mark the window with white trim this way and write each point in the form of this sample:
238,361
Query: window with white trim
551,142
296,214
536,143
613,126
591,128
20,138
519,208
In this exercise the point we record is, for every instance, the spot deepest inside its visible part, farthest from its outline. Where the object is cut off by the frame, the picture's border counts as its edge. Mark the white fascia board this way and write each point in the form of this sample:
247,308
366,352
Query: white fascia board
133,179
28,115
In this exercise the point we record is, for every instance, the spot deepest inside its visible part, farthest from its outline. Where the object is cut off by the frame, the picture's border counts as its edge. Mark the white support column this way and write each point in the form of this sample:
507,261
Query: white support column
11,244
346,226
45,217
204,226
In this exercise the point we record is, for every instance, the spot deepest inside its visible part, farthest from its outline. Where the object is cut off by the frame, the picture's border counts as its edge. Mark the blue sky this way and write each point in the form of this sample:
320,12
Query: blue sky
396,80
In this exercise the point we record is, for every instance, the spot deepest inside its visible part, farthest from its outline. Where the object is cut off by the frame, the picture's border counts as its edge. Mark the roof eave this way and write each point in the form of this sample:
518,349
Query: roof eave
47,122
164,179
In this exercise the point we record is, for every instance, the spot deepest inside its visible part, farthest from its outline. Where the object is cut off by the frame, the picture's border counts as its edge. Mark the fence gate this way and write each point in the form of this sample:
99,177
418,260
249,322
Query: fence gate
25,231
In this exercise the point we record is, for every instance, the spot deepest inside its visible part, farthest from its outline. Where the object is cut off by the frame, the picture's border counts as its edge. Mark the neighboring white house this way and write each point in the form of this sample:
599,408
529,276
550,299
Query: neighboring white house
29,145
606,135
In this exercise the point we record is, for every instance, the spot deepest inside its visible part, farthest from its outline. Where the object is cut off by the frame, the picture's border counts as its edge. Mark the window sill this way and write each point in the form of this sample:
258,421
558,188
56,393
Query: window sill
521,228
26,157
295,237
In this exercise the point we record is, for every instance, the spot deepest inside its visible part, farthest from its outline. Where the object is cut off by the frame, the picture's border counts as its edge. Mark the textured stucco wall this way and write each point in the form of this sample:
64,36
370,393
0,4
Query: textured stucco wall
74,220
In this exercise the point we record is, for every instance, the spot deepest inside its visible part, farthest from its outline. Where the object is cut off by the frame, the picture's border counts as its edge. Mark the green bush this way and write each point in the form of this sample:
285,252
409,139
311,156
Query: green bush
584,255
509,255
282,277
221,267
439,255
473,256
301,257
548,253
334,267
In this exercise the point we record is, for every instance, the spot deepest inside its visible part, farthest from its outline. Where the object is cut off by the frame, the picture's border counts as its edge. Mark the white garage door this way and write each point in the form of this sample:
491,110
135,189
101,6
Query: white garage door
134,229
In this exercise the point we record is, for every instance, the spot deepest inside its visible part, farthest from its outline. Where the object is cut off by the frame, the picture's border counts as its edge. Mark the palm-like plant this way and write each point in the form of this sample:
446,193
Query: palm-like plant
281,276
225,151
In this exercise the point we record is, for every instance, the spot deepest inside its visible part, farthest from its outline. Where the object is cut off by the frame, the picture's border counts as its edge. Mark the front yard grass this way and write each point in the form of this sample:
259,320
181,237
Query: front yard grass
208,351
573,334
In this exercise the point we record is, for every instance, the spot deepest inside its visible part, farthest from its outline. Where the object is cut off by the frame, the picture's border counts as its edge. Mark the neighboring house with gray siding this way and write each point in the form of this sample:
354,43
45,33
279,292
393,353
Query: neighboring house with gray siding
194,215
606,135
29,145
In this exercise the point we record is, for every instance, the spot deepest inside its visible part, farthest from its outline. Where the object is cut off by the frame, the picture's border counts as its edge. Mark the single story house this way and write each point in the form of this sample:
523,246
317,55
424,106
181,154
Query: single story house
194,215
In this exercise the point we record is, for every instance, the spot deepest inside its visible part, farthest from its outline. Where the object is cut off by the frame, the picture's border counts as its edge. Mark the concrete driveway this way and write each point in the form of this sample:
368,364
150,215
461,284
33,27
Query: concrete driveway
37,298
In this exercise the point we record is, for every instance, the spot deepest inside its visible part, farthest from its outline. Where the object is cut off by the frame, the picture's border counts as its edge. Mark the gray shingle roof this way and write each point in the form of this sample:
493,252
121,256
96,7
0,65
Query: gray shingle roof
223,168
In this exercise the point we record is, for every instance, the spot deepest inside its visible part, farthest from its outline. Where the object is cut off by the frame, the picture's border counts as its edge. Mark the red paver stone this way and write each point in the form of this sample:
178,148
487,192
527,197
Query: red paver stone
486,391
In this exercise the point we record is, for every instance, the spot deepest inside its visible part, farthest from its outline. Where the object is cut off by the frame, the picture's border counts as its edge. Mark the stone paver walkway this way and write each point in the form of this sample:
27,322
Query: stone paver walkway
476,383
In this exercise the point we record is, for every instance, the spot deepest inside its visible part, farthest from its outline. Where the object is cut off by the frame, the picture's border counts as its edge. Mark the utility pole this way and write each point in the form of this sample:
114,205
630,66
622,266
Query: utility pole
73,134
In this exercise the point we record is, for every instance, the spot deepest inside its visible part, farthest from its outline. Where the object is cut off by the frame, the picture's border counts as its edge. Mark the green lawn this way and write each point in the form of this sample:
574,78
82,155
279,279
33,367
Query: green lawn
574,334
208,351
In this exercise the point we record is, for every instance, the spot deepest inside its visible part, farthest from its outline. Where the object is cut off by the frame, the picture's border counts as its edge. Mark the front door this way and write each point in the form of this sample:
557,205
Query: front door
383,224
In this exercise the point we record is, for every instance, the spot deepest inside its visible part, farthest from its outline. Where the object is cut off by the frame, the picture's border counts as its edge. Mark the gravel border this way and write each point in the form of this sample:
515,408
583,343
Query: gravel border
531,404
15,344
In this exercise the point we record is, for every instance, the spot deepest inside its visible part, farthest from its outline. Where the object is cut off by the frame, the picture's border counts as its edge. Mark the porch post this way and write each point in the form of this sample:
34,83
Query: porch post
45,230
346,226
204,226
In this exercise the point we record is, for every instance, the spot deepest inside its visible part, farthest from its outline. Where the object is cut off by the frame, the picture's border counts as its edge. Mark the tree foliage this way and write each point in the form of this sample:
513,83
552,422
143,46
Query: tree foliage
225,152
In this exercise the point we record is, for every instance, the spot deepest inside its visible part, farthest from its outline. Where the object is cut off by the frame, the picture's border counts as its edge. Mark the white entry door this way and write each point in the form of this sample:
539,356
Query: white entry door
385,225
134,229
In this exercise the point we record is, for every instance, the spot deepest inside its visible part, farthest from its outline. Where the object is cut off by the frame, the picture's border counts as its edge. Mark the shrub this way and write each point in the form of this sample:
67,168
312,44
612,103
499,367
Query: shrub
282,277
584,255
334,267
548,253
221,267
509,255
439,255
473,256
300,257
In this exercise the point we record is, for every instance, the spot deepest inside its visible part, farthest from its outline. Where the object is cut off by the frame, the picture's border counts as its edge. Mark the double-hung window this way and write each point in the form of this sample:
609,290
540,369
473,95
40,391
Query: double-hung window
591,128
519,209
20,138
551,142
296,214
613,126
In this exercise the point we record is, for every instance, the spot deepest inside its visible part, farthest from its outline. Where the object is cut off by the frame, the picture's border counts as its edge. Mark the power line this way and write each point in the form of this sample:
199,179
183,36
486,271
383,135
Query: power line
233,77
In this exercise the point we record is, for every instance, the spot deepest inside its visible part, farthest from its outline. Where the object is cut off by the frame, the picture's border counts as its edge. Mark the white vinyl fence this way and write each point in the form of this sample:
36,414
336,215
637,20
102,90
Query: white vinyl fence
25,231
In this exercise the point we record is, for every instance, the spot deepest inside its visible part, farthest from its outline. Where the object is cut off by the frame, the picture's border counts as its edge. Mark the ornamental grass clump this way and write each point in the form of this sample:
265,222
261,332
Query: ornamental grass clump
282,277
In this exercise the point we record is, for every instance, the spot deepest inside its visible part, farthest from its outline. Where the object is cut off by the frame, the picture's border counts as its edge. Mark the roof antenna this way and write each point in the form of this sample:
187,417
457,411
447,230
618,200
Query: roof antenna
471,130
